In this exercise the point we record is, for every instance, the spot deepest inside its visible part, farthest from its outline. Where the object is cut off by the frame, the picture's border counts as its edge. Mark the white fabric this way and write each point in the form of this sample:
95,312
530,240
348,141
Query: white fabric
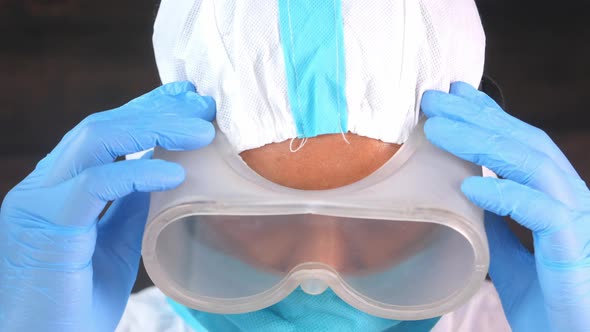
148,311
395,50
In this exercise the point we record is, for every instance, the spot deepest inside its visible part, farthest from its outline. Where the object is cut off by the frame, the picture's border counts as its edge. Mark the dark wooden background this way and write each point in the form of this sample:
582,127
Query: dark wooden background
61,60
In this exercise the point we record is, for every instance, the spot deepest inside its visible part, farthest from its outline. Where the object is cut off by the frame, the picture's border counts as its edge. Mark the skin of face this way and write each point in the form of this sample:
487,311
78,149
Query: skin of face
324,162
352,246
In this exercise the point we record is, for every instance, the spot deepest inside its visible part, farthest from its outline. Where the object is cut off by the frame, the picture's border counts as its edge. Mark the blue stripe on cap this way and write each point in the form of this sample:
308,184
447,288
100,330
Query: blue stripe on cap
312,37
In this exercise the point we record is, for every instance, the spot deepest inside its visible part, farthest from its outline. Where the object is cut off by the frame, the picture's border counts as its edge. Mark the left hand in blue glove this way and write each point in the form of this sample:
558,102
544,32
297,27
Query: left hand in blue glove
539,189
62,269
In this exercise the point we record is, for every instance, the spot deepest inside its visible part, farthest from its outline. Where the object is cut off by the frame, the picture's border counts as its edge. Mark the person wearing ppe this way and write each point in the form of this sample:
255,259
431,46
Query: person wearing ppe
345,210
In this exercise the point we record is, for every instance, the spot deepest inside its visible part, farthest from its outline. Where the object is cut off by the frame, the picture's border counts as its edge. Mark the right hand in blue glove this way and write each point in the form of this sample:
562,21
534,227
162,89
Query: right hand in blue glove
540,189
62,269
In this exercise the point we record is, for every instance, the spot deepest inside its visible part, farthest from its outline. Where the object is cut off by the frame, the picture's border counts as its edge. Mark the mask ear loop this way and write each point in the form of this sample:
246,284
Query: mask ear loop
344,137
304,141
490,87
338,76
301,145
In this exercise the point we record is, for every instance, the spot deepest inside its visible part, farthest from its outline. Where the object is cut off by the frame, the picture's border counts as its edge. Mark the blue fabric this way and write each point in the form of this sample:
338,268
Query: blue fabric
312,38
300,312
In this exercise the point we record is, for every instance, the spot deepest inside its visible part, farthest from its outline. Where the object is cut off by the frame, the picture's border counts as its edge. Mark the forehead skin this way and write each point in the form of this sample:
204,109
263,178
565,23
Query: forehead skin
324,162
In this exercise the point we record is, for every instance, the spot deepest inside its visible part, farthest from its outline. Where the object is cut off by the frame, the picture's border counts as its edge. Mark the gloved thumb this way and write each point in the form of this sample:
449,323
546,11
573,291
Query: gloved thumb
513,272
120,232
118,249
509,260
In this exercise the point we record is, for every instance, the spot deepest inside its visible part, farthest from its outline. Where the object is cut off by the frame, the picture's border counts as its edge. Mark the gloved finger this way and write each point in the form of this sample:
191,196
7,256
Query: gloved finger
504,156
469,92
467,104
159,97
512,266
86,195
118,248
173,117
117,207
529,207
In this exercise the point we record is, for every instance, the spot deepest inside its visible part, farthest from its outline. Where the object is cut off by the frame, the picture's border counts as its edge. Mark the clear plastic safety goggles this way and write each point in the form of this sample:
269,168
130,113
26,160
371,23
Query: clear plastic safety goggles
403,243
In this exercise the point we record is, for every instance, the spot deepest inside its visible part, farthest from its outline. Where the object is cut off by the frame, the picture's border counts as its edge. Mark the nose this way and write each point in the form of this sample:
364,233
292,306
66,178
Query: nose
322,240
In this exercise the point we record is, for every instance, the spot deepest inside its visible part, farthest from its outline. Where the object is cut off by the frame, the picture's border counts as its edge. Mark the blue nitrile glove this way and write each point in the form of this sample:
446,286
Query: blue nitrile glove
540,190
63,270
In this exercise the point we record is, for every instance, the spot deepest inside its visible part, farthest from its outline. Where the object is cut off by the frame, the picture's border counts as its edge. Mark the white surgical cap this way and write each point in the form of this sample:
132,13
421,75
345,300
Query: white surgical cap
391,52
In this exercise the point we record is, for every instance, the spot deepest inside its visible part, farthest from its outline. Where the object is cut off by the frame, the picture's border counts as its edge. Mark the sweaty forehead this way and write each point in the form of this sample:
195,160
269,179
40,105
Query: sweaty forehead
324,162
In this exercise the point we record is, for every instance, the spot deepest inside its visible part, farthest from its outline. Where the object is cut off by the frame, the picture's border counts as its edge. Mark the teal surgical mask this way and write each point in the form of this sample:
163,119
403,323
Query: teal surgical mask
300,312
